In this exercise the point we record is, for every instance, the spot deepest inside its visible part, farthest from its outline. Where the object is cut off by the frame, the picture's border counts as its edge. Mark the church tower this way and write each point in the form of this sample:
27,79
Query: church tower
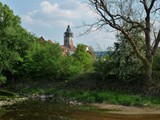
68,38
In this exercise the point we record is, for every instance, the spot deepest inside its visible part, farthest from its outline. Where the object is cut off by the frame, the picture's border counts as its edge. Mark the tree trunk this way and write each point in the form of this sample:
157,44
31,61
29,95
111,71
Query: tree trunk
149,57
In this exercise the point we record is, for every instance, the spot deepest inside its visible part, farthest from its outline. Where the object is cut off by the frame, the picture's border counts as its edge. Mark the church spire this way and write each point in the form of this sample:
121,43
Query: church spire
68,29
68,38
68,32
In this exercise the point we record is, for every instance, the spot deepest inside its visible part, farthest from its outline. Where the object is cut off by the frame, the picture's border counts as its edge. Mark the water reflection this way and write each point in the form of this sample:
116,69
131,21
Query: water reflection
36,110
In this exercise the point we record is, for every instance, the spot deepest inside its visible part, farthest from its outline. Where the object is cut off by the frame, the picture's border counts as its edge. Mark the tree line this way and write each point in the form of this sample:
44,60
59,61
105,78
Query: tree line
23,56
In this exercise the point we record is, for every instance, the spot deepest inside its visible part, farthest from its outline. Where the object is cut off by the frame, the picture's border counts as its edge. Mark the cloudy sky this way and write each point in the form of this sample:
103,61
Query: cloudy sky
49,18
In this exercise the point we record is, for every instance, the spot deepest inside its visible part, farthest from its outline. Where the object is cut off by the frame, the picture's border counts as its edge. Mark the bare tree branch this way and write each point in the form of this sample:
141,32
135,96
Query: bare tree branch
100,6
151,6
121,15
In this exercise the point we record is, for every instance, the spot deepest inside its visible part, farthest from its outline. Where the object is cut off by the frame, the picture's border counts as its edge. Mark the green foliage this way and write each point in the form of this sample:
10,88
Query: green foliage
81,57
156,66
115,98
24,56
126,61
70,68
155,89
13,42
43,60
105,97
79,63
105,65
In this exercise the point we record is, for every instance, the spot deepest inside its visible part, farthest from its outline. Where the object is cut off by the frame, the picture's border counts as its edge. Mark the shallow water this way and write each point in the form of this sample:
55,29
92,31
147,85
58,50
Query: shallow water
40,110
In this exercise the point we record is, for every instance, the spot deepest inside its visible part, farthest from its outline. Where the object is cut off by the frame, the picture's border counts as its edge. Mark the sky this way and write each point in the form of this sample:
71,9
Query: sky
49,18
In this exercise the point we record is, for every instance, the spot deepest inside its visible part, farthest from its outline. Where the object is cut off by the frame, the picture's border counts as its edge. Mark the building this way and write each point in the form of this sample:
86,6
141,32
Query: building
68,46
68,38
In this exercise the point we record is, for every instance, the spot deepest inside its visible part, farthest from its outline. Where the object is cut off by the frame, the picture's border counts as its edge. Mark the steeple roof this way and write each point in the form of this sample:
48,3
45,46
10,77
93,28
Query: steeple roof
68,32
68,29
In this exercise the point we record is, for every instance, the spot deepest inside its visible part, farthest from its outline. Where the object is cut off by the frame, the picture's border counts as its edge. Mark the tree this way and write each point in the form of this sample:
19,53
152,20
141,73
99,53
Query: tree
70,68
105,65
14,40
126,16
126,62
42,61
83,58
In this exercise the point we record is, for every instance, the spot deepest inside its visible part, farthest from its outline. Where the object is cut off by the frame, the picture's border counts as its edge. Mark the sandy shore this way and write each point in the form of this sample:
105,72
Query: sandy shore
120,109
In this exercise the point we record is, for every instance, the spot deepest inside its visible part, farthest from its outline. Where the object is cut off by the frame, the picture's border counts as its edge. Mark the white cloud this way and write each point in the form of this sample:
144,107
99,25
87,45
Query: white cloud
70,11
48,7
32,13
27,19
31,21
100,40
56,16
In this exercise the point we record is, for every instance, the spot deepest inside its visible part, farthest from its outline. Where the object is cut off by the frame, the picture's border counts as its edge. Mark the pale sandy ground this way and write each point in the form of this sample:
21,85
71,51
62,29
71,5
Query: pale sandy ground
120,109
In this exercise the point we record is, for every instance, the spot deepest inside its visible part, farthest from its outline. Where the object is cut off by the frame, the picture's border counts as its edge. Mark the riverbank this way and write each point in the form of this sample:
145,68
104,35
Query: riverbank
74,96
44,110
128,110
60,91
12,101
8,98
110,108
112,102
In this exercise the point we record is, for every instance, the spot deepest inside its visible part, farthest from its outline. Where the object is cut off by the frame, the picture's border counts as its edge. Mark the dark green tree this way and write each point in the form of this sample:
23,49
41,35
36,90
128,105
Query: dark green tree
126,62
70,68
78,63
42,61
83,58
105,65
13,42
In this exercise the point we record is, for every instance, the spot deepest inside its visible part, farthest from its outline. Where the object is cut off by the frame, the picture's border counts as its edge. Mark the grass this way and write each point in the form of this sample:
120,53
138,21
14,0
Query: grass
110,97
100,96
88,96
6,95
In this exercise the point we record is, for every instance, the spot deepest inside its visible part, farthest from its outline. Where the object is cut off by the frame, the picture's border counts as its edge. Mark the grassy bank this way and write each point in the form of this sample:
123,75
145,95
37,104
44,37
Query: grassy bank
87,96
108,97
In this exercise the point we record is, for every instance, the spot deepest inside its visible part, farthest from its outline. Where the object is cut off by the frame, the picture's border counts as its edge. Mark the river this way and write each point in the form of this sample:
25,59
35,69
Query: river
47,110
